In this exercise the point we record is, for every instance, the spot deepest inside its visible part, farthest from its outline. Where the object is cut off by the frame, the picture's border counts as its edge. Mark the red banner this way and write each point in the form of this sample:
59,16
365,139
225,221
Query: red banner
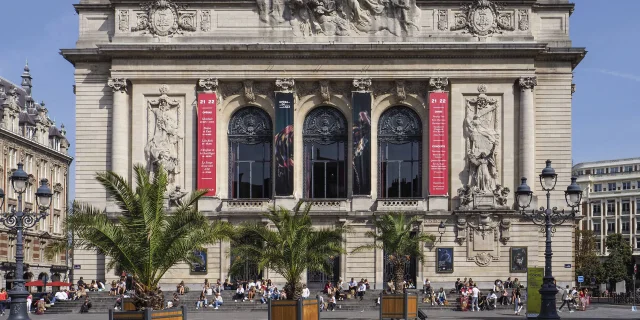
438,143
207,142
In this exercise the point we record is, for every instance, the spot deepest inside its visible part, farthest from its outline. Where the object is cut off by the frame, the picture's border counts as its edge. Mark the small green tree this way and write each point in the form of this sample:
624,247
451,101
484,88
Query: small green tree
619,264
145,239
395,235
587,261
290,248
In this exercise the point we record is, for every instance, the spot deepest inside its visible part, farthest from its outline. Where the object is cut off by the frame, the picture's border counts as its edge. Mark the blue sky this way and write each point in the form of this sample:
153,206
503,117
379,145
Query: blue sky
605,115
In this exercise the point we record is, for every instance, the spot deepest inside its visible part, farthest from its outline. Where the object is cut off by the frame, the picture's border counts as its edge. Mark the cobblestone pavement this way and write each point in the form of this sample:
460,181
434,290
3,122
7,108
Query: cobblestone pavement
595,312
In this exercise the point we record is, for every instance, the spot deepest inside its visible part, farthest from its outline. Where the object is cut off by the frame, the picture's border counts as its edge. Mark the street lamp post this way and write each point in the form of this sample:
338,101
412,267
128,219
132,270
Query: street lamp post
548,218
18,220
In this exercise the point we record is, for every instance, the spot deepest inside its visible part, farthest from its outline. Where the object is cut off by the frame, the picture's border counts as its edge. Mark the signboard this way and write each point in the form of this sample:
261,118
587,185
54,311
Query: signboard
580,279
567,266
201,265
283,142
438,143
362,143
207,142
534,283
444,260
77,267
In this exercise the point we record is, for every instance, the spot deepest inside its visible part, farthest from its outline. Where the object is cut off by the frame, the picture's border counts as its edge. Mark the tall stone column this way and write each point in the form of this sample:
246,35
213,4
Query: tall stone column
527,128
120,127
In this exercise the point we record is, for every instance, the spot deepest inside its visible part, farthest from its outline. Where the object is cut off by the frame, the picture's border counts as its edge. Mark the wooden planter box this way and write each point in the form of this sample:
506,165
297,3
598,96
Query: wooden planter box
398,306
294,310
169,314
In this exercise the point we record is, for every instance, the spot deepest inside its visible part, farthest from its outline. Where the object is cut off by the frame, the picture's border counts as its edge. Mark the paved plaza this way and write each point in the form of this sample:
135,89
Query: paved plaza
595,312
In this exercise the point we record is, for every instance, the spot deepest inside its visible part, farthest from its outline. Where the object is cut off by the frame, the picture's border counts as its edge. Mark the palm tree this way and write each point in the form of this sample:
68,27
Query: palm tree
146,238
291,247
396,236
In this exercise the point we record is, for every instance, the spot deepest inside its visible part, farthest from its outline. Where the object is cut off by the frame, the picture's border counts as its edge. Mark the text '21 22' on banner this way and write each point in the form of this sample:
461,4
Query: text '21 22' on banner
438,143
207,142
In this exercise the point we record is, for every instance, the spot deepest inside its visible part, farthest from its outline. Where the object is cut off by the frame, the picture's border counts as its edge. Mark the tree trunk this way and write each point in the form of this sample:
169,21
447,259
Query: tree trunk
145,297
398,275
293,291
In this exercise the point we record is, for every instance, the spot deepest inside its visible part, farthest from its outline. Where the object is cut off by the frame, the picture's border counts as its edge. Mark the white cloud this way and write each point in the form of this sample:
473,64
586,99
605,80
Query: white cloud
616,74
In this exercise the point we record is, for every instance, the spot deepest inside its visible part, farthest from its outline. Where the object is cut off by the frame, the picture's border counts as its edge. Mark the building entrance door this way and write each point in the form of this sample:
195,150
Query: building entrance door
317,279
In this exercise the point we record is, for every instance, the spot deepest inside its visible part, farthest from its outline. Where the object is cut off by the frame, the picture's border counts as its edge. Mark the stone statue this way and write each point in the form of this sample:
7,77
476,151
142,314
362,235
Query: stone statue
482,145
164,137
175,197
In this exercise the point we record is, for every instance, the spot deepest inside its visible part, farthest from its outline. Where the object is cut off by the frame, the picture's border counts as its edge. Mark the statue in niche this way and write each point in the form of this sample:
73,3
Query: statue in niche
175,197
482,145
164,137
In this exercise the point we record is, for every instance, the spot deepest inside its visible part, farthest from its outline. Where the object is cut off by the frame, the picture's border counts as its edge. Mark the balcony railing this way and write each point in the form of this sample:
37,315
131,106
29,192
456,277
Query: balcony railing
399,204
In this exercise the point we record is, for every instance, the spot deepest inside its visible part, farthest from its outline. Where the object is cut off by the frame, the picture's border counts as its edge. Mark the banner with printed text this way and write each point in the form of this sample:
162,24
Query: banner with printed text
283,142
362,143
207,142
534,283
438,143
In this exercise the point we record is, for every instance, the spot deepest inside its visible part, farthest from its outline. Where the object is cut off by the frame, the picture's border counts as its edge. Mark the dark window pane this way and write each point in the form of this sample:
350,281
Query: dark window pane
332,180
317,180
257,180
243,176
393,180
342,183
406,179
416,179
252,152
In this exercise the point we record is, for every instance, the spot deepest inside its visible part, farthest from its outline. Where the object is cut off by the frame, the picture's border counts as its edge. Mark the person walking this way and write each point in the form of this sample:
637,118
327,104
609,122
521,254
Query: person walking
474,298
566,299
3,300
517,301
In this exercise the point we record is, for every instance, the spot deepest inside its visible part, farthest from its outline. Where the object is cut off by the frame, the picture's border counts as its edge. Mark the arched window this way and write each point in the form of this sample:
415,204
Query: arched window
250,136
400,153
325,153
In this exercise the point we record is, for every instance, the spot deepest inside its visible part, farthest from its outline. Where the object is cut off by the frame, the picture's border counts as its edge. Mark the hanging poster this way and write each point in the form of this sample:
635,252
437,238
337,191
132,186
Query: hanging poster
283,142
200,263
438,143
361,143
518,259
444,260
207,142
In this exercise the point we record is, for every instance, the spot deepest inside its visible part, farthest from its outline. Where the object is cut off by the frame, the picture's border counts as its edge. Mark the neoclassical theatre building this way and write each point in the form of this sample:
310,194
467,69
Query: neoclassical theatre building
357,107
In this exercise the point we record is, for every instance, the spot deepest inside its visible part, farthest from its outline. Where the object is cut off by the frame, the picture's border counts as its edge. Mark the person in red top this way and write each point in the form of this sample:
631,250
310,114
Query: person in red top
3,300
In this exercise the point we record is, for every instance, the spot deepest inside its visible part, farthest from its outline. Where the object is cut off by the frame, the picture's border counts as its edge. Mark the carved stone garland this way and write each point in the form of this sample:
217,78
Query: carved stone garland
482,18
482,135
208,84
362,84
285,84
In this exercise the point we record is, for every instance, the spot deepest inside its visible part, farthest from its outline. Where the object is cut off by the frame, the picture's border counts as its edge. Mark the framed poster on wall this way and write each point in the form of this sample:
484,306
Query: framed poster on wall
444,260
200,263
518,259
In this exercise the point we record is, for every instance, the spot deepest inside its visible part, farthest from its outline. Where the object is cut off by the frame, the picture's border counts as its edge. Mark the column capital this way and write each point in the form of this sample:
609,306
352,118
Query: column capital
438,84
208,84
362,84
527,83
118,84
285,84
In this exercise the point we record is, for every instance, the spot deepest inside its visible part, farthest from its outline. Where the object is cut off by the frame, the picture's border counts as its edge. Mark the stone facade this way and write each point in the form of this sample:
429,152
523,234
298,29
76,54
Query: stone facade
611,200
508,68
28,135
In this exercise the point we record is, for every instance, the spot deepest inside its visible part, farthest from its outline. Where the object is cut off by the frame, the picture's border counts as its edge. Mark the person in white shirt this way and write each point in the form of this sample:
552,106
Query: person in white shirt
61,295
305,292
218,301
239,294
252,284
474,298
332,303
361,290
492,299
320,301
353,286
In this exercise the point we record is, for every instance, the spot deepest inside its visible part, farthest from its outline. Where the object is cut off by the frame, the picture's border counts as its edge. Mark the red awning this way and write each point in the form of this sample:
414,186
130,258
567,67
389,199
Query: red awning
37,283
58,284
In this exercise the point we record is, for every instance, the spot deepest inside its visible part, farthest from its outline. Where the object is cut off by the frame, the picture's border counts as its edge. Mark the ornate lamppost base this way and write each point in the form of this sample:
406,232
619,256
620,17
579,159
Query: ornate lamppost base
18,309
548,294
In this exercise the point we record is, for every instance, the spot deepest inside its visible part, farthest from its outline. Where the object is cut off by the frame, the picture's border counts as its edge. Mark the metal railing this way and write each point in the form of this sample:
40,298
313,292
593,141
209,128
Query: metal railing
618,298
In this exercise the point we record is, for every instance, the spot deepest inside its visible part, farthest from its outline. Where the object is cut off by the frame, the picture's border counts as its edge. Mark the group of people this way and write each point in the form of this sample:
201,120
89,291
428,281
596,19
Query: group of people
572,296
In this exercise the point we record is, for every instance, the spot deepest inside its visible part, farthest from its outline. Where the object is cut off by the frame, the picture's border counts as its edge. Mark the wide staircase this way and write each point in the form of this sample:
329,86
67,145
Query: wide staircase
102,302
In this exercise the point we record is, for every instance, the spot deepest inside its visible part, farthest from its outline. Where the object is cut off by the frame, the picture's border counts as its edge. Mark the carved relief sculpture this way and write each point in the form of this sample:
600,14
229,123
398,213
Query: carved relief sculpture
505,231
123,23
341,17
11,109
482,136
461,229
248,94
438,84
205,20
208,84
523,20
285,84
164,134
117,84
482,243
443,20
527,83
175,197
400,90
482,18
164,18
325,94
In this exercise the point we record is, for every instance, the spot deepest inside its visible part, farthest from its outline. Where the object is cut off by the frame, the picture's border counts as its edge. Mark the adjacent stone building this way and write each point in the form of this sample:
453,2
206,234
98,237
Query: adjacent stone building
611,199
29,136
358,107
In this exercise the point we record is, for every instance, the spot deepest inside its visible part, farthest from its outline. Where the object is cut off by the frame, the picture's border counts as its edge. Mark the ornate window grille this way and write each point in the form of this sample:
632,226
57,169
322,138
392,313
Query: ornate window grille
400,153
325,152
250,139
